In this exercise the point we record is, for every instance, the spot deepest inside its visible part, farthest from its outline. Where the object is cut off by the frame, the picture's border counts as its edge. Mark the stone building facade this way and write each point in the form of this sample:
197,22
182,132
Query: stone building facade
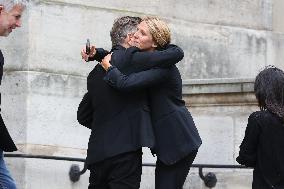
226,43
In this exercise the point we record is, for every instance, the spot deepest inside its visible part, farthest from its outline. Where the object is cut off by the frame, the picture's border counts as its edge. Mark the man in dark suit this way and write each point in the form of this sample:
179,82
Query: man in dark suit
10,18
120,122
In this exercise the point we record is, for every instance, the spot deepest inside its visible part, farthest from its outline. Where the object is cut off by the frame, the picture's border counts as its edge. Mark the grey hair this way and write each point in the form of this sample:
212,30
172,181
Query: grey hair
121,27
9,4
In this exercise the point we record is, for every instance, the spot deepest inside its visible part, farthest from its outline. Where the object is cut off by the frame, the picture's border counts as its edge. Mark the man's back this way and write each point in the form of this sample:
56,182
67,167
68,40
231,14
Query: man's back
121,121
107,101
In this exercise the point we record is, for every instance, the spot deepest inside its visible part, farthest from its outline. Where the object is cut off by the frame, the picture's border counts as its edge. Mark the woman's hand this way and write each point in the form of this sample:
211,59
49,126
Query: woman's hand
86,56
106,62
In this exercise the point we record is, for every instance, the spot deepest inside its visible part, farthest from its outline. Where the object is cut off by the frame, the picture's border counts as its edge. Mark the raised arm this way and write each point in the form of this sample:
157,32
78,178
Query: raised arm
85,112
167,57
136,81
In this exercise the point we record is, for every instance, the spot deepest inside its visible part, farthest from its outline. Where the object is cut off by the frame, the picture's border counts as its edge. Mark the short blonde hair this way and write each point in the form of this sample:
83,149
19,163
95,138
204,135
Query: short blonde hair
159,30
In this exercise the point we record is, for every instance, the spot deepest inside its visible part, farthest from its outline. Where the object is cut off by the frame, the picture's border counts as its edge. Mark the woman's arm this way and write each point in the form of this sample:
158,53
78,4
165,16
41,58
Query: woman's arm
167,57
85,112
136,81
248,148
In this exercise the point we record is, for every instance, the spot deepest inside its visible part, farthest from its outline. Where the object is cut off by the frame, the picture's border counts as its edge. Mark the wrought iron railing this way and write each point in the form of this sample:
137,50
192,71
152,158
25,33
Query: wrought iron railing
209,179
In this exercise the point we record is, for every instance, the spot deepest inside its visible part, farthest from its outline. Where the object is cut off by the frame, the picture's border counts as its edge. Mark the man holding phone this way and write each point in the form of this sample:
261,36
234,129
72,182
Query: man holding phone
10,19
120,125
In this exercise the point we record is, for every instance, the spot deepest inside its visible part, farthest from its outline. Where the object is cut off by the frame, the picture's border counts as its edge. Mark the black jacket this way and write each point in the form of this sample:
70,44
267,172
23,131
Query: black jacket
120,122
174,128
263,149
6,142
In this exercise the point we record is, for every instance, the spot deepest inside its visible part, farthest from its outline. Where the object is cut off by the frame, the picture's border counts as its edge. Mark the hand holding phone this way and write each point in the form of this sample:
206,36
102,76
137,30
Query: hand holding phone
88,51
88,47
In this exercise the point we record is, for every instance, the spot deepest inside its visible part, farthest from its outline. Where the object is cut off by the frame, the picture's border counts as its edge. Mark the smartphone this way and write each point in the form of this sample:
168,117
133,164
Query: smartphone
88,47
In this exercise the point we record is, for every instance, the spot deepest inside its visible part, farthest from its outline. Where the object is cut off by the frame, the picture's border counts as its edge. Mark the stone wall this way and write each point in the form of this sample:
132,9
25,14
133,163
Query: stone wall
278,25
226,43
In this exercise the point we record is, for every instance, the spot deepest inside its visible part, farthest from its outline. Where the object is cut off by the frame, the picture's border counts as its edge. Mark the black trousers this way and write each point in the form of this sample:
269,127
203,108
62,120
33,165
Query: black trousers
173,176
119,172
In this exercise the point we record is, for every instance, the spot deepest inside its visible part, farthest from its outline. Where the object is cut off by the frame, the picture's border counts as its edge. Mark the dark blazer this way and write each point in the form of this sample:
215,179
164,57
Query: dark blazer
263,149
120,122
6,142
174,128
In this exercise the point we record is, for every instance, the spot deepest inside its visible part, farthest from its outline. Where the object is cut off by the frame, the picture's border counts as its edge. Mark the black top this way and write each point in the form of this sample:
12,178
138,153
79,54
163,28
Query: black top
263,149
6,142
174,128
120,122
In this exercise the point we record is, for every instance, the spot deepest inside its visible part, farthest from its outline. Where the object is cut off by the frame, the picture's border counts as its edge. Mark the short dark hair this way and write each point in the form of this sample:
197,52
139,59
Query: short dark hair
121,27
269,90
